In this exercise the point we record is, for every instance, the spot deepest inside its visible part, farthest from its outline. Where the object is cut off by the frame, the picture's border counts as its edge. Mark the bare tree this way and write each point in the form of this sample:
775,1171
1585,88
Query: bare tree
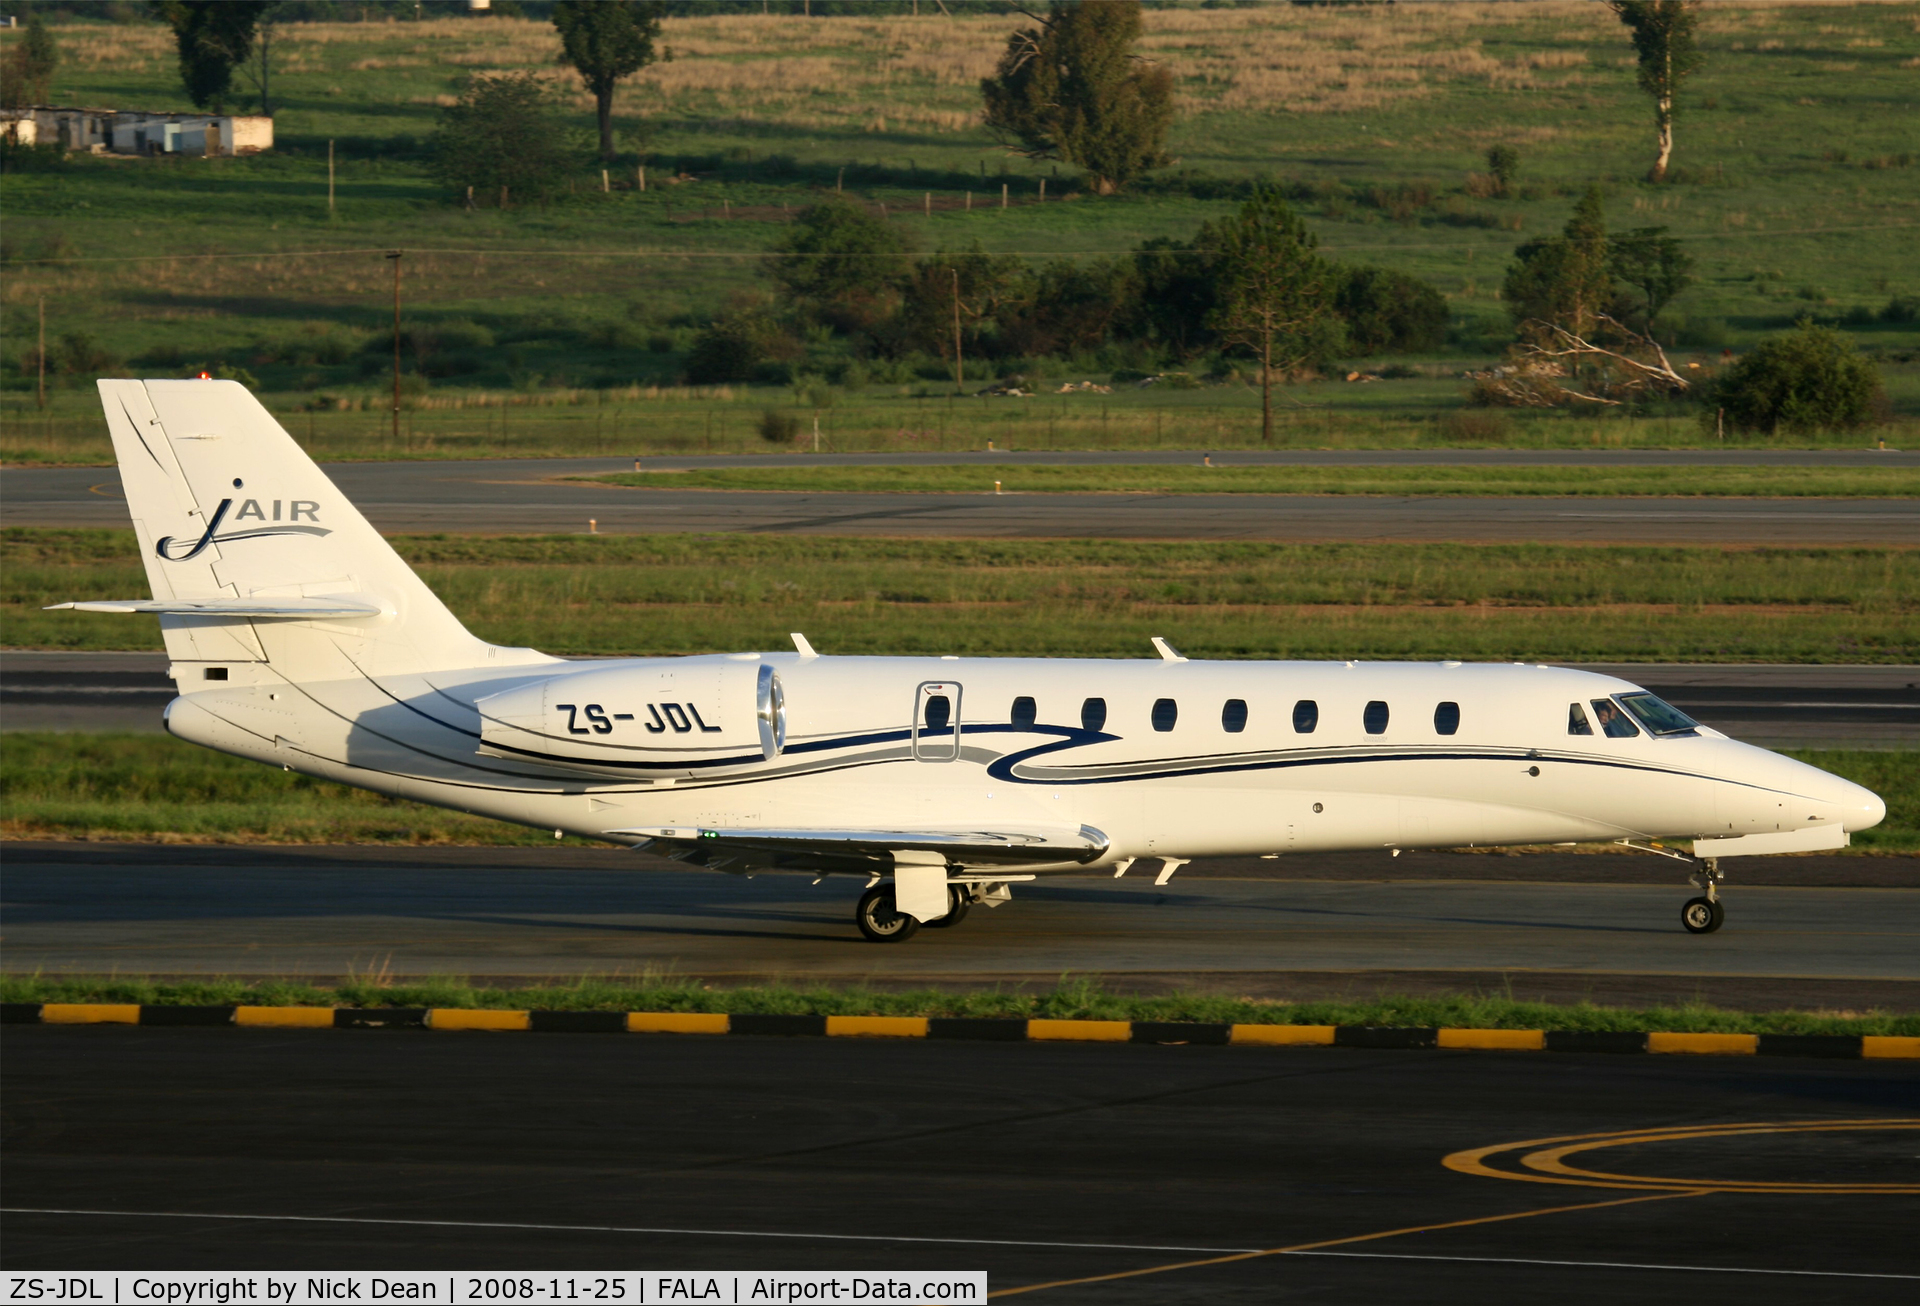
1550,356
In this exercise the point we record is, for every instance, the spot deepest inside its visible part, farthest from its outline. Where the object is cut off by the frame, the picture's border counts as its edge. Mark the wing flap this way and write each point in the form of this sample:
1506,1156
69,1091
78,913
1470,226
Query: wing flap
1031,847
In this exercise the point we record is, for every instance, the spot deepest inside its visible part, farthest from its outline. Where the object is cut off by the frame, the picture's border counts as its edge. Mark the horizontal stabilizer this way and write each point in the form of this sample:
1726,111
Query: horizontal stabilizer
994,847
335,606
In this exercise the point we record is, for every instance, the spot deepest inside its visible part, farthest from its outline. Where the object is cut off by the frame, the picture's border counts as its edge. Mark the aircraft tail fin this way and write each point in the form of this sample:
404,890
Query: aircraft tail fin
241,533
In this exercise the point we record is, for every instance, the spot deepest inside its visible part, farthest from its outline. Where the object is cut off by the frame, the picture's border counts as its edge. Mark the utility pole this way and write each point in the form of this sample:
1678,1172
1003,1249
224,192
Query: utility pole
394,256
40,394
329,181
959,367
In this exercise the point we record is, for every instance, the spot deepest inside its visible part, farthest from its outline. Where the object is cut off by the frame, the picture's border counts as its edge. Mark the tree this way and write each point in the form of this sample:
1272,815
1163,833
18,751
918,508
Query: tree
1810,379
841,262
1503,161
213,38
257,67
1272,292
1653,263
26,73
1390,312
1174,281
1072,89
1662,33
952,302
501,137
1563,280
605,40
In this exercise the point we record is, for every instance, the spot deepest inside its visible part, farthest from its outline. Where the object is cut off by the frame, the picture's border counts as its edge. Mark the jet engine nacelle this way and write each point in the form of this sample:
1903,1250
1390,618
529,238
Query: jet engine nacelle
664,719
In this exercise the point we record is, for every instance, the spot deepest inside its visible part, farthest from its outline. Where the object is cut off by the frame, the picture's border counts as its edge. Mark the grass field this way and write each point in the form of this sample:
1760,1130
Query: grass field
1797,192
631,421
1071,999
1688,482
641,595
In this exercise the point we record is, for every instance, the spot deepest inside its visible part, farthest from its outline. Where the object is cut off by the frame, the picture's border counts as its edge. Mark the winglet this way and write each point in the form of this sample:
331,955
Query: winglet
800,642
1166,650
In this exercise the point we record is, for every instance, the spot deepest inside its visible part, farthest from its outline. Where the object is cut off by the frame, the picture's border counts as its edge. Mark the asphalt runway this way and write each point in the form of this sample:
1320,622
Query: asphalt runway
531,497
1773,706
1180,1168
169,909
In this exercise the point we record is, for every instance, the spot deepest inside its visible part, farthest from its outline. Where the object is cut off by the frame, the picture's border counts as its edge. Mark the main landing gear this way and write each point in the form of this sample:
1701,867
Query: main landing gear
1703,915
883,922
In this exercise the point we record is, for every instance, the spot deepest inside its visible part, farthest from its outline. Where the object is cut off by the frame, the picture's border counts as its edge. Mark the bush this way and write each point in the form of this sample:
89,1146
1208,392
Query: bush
1902,309
731,349
1810,379
779,428
1390,312
504,133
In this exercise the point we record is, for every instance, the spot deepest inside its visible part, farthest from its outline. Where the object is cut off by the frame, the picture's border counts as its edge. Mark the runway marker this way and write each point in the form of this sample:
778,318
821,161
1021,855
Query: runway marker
1606,1265
1334,1242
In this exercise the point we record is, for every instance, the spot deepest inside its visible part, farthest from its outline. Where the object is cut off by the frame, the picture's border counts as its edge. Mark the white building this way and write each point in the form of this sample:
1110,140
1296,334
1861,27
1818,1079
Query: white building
111,131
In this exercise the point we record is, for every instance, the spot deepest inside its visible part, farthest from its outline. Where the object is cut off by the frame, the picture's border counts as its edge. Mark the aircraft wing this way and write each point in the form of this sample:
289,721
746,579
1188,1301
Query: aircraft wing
865,850
331,606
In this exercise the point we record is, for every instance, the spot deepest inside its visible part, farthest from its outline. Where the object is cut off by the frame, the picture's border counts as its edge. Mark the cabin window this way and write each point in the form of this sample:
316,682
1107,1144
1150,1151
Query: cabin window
1233,716
1446,719
1306,715
1613,722
1375,718
1577,723
1165,713
1025,713
939,715
1093,714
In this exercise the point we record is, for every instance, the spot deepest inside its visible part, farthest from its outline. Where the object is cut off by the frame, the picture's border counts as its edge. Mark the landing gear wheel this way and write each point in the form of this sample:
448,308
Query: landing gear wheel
959,902
880,920
1702,915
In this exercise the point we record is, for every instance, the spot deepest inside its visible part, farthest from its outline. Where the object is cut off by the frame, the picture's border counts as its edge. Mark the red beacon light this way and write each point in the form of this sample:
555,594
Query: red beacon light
205,377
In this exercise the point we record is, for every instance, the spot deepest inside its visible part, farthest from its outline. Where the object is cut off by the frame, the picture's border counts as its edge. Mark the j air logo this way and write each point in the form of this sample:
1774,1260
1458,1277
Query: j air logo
276,517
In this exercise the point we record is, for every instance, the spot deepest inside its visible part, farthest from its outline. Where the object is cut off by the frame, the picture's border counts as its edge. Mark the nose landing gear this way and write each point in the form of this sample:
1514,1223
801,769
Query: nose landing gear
1703,915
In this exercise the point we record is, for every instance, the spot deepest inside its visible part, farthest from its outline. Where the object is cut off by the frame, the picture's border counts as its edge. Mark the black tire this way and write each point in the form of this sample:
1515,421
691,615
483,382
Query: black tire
959,902
880,920
1700,916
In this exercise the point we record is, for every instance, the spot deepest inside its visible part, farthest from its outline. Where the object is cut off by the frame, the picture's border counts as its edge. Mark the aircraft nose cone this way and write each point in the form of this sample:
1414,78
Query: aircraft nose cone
1861,809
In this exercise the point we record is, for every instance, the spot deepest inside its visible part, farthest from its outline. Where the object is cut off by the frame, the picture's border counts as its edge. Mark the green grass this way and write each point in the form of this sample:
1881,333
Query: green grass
666,594
354,423
1687,482
1795,184
1070,1000
153,788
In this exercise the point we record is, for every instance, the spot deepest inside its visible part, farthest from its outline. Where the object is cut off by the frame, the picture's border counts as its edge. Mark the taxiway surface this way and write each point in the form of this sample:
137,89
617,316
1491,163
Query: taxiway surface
1603,926
1179,1168
532,496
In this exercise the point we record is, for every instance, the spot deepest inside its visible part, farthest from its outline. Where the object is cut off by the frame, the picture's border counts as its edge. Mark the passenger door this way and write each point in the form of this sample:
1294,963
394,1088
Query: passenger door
936,721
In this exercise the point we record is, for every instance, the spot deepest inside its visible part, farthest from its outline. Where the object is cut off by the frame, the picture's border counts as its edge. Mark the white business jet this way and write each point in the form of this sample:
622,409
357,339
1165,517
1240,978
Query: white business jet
299,638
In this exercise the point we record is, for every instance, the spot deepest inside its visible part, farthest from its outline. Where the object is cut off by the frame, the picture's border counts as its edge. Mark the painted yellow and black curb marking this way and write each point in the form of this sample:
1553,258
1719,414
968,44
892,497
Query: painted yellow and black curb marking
1853,1046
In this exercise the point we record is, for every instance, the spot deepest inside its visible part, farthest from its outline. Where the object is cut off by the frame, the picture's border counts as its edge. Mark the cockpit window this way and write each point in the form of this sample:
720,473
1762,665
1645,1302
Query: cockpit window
1614,723
1577,723
1660,718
